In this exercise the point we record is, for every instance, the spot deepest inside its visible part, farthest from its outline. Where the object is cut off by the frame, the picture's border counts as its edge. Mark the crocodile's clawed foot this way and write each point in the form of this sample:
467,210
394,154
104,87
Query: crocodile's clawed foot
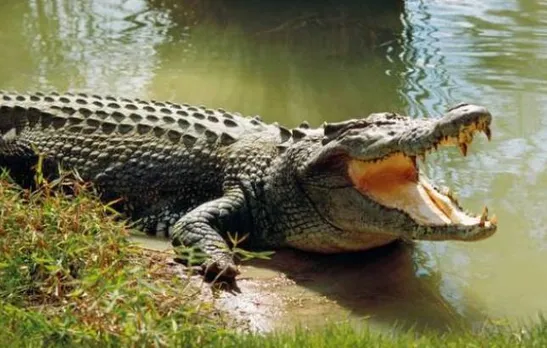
221,274
212,270
219,270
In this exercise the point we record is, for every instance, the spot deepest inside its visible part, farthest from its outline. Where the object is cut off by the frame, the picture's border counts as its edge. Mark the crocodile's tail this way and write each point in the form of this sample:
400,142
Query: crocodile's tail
14,114
17,158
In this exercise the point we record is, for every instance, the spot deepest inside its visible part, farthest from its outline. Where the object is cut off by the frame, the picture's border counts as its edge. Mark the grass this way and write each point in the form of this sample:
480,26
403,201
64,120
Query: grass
69,277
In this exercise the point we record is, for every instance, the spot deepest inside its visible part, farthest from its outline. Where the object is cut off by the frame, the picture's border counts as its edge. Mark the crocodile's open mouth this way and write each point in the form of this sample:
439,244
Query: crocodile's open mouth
396,182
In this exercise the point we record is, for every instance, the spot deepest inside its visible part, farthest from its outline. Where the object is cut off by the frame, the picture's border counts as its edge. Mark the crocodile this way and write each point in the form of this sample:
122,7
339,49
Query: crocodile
201,176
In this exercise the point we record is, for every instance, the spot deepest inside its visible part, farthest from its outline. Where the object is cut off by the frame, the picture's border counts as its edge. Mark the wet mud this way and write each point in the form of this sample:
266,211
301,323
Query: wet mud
380,289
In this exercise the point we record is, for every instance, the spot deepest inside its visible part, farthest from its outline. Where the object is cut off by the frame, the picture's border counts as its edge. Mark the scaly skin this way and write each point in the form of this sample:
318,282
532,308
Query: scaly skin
196,174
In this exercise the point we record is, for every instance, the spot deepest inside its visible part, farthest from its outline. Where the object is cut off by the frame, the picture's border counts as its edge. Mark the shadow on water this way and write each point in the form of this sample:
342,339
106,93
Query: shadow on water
381,286
349,27
288,60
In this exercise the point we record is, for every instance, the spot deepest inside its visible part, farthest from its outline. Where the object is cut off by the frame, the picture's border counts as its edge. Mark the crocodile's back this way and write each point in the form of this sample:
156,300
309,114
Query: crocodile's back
150,153
110,116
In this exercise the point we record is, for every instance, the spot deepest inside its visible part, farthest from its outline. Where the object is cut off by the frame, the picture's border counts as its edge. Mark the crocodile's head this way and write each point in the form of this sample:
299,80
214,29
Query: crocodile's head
365,180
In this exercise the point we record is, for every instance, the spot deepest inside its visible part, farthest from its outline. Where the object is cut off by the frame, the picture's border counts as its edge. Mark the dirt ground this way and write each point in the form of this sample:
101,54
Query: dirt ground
380,289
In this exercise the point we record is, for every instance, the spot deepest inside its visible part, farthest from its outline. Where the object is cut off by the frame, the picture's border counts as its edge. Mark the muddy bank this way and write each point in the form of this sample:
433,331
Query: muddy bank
382,289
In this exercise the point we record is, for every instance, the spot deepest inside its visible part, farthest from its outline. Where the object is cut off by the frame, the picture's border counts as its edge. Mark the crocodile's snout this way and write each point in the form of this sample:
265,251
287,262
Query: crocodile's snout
459,125
380,156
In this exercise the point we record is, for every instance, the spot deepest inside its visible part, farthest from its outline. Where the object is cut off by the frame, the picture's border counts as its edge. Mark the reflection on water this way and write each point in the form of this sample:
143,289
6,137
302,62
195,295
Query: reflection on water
89,45
332,60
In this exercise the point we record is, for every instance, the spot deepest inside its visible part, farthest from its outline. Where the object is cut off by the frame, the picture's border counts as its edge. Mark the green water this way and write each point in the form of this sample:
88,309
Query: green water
291,62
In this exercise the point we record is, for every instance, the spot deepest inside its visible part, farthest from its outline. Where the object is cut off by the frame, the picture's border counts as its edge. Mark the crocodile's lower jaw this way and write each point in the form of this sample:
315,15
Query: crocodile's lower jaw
394,182
341,242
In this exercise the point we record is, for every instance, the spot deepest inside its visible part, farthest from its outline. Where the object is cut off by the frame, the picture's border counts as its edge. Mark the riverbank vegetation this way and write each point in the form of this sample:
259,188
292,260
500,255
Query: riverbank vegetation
70,277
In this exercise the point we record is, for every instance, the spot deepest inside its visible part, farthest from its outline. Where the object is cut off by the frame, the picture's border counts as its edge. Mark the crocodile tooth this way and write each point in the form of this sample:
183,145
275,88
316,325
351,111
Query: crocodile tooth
463,149
494,220
488,133
449,193
304,124
484,216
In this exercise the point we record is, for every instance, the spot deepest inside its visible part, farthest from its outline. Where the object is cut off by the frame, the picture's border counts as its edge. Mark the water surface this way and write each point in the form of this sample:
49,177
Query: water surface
330,61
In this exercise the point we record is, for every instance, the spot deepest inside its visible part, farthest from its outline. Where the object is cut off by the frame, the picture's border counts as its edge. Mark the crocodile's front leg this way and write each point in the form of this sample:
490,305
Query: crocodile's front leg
204,228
